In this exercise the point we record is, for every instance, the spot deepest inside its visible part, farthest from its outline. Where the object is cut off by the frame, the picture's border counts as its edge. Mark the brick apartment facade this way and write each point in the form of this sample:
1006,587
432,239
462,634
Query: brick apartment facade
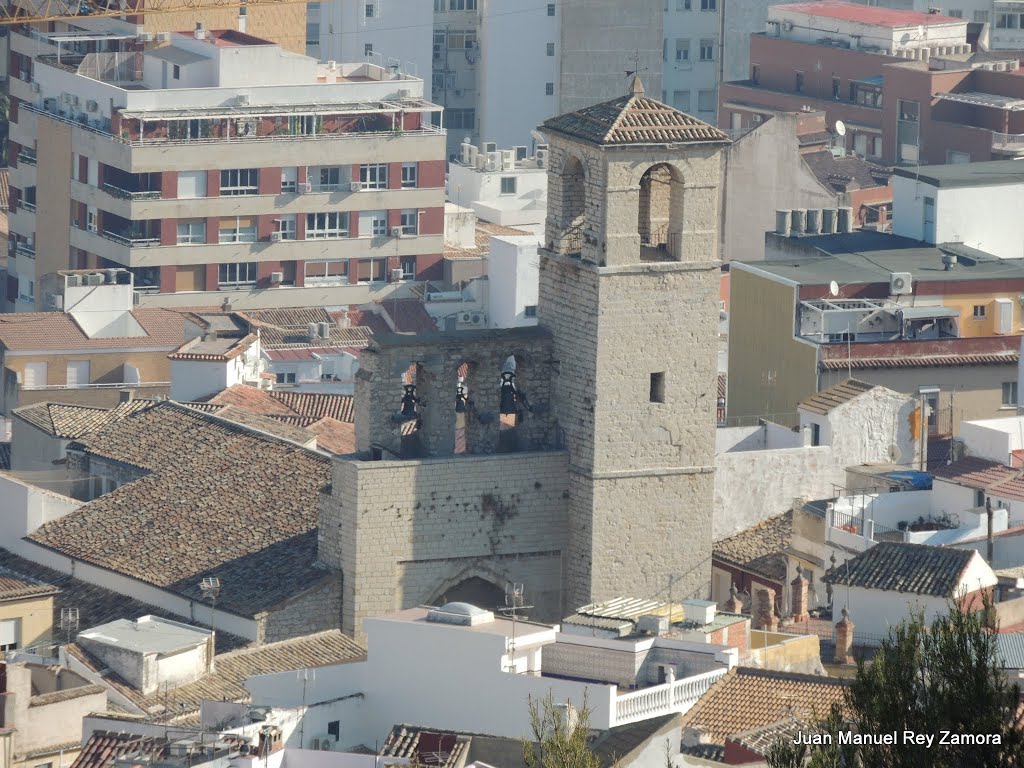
915,102
216,161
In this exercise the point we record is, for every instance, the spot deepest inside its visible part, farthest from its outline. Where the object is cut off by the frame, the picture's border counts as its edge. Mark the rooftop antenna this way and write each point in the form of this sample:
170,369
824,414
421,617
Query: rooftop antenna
210,587
514,604
68,622
637,69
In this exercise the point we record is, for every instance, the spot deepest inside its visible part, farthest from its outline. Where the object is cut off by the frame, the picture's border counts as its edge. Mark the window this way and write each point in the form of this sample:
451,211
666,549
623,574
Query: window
860,144
551,49
10,634
551,9
979,498
907,131
408,267
837,86
371,270
370,10
334,729
285,378
464,119
707,50
956,156
707,5
373,223
658,387
327,272
285,227
367,49
326,226
705,101
330,179
312,33
237,275
681,100
682,50
237,229
176,72
876,146
815,434
979,311
439,6
530,310
866,95
1007,21
240,181
981,17
191,231
549,89
374,176
410,175
1009,393
755,73
799,84
410,221
683,5
955,13
288,180
508,185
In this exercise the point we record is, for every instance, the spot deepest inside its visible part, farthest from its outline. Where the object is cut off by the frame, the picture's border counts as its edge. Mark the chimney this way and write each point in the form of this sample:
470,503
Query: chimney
763,609
844,639
845,220
798,597
733,604
991,544
125,395
799,221
828,221
782,222
813,221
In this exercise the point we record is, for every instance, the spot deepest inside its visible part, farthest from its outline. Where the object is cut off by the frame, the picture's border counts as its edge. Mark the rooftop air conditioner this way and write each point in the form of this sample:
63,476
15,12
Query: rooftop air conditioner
787,26
73,281
490,146
396,231
756,119
493,161
277,277
404,93
355,186
55,301
145,37
163,37
324,330
466,154
305,188
242,99
900,283
94,279
542,157
508,159
396,275
275,237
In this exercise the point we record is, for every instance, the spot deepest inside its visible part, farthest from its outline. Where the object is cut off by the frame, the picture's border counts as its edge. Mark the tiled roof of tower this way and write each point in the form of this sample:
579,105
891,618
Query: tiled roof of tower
634,119
900,567
215,498
748,698
825,401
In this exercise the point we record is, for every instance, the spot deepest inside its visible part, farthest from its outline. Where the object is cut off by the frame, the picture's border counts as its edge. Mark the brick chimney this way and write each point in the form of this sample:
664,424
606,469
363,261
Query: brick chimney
733,604
844,639
763,610
798,597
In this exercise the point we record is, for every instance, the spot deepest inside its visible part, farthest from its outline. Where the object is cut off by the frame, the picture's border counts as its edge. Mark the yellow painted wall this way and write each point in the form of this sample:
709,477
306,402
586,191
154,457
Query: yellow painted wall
770,372
969,327
53,199
104,367
282,23
36,616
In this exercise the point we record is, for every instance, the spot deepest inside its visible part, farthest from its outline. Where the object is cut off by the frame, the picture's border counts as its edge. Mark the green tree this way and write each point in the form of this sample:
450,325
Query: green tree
559,736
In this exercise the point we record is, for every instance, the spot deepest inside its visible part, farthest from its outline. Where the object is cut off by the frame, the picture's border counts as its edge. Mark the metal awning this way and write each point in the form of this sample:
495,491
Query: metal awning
925,313
243,112
875,80
978,99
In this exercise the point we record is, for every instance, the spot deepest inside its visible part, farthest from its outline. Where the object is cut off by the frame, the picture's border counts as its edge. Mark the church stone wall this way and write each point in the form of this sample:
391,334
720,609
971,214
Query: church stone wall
404,532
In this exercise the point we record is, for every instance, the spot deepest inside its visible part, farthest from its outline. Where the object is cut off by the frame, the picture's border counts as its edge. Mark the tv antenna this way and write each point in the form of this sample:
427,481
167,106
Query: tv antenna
68,622
514,605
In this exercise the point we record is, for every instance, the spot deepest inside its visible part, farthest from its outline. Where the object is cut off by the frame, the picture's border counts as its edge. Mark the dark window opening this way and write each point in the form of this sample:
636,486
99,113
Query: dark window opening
658,387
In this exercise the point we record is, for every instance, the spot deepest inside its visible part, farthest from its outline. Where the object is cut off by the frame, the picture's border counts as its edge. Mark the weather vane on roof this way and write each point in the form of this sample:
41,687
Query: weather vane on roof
637,69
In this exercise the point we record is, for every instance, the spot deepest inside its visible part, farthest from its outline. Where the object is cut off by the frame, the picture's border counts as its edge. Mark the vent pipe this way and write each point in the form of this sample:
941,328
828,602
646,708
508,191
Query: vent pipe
799,221
782,222
813,221
991,544
828,221
845,220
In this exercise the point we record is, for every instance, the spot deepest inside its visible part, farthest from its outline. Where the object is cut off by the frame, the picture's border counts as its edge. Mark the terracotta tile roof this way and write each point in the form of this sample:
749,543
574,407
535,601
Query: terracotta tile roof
899,567
215,499
482,241
334,436
250,398
231,670
287,328
759,549
69,422
318,404
31,331
748,698
999,479
213,349
760,740
95,604
935,361
884,17
272,426
408,315
55,697
825,401
614,746
838,173
15,586
102,748
426,747
997,350
369,318
634,119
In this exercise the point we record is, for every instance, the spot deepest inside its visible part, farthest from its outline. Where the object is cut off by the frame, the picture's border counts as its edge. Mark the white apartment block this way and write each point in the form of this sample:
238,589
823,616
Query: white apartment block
217,161
1005,18
692,57
386,32
506,186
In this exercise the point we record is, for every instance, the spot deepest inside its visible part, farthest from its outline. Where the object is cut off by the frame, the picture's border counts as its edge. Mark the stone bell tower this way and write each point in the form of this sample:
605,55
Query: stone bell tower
629,285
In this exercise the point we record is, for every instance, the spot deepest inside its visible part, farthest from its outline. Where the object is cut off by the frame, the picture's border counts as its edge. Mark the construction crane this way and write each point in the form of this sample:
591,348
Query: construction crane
33,11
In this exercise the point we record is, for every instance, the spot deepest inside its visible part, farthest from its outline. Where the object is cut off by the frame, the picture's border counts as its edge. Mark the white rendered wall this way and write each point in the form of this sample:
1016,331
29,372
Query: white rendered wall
809,27
191,379
514,70
692,75
513,274
873,611
993,439
398,30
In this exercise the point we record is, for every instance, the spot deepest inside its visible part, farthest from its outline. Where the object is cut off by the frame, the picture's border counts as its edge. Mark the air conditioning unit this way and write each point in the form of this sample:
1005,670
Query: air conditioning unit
275,237
508,159
324,329
30,240
473,318
787,26
94,279
35,87
542,158
145,37
305,188
396,275
756,119
467,154
490,146
276,277
242,100
73,281
91,106
163,37
396,231
55,301
493,161
355,186
404,93
900,283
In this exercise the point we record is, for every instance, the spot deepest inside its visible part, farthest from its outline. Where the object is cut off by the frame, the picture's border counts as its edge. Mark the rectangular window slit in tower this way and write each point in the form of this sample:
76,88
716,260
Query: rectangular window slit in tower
658,387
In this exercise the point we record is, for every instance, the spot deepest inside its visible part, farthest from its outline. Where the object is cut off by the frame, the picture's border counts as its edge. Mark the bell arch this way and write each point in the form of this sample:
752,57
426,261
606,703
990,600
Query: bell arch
660,214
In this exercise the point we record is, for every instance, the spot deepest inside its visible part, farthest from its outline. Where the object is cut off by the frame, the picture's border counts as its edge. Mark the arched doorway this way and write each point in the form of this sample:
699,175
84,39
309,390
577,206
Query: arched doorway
660,220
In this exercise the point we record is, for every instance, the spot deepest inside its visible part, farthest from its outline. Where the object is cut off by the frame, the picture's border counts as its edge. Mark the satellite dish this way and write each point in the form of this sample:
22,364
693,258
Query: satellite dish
833,288
840,128
467,140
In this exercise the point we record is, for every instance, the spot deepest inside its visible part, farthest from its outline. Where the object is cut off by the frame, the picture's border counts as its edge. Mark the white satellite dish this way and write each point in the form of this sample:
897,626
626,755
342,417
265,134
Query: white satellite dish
467,140
833,288
840,128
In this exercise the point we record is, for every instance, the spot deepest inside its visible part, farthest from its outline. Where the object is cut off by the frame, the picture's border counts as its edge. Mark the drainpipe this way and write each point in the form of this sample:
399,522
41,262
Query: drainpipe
991,535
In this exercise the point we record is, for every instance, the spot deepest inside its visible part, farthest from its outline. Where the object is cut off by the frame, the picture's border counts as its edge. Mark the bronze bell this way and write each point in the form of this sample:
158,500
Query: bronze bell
509,395
460,399
409,401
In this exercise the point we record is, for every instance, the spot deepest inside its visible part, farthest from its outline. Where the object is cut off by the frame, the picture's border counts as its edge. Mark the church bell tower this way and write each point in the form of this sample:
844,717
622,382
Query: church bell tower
629,286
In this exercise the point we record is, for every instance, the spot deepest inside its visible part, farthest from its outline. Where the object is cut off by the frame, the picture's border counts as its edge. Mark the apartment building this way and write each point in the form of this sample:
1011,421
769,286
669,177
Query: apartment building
906,85
1004,28
216,161
693,56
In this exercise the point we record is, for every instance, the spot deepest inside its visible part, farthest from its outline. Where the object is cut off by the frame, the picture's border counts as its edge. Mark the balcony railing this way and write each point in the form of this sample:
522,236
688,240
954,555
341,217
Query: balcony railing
1008,142
24,249
31,207
132,241
27,157
122,385
677,696
128,194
